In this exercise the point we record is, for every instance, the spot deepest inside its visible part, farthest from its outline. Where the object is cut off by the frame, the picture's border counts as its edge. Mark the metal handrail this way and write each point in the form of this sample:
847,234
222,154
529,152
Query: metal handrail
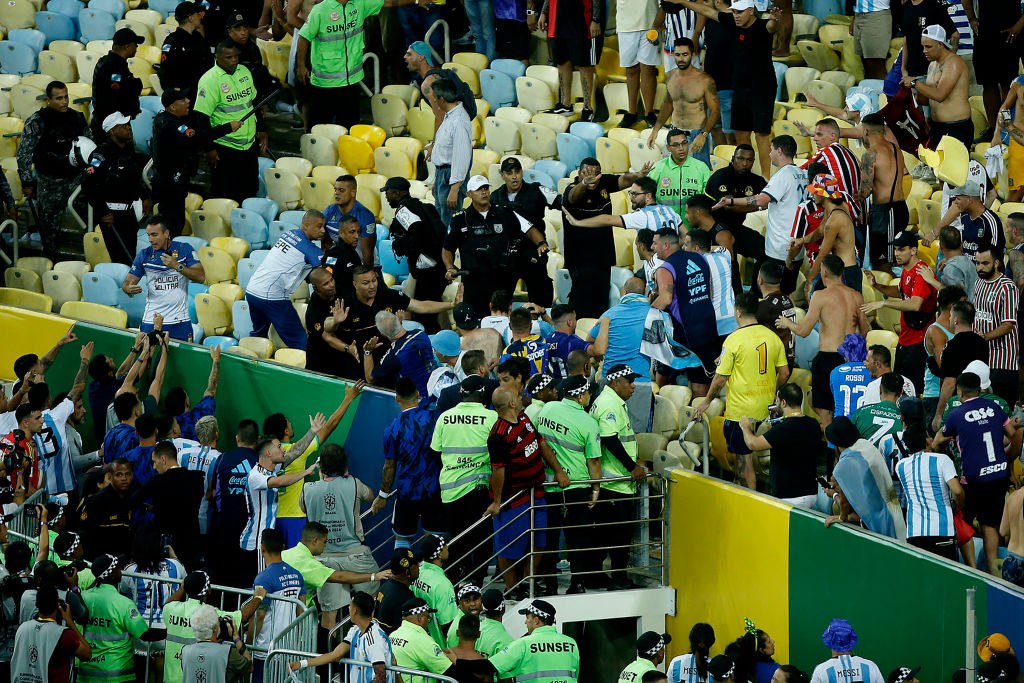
13,224
74,214
705,446
345,661
443,25
369,56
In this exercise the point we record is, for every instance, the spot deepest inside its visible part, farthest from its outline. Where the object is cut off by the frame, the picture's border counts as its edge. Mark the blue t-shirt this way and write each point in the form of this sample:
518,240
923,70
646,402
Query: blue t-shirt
229,494
693,315
187,421
977,425
141,460
848,382
280,580
367,223
985,229
560,345
119,441
407,442
166,288
534,349
411,356
626,332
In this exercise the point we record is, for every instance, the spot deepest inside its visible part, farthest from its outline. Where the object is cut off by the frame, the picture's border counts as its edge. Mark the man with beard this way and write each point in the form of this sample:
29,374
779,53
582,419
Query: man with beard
692,102
736,180
995,300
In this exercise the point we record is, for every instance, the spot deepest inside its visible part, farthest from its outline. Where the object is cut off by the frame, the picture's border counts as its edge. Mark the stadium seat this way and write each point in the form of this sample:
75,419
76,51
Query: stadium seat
16,58
245,269
228,292
329,173
55,26
251,227
236,247
241,320
407,93
151,103
18,14
149,17
192,241
95,313
572,149
85,63
164,7
640,154
118,271
261,346
390,113
33,38
142,130
370,198
372,135
218,264
482,160
331,131
319,151
75,268
553,168
534,95
267,208
588,132
647,444
109,6
389,263
409,146
827,93
214,315
142,30
208,225
283,188
317,194
37,264
538,141
23,278
499,89
96,24
393,163
26,99
292,218
512,67
95,248
134,306
780,78
843,80
517,114
421,124
356,153
817,55
532,175
502,135
100,288
797,78
822,8
296,165
224,343
293,357
613,156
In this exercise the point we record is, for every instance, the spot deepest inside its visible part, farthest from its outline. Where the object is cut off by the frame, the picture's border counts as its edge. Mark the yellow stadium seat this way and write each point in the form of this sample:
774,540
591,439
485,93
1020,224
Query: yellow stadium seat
817,55
833,35
389,279
885,338
784,127
411,147
319,151
149,17
408,94
647,444
142,30
142,70
796,80
283,187
214,314
59,66
236,247
23,278
483,108
19,14
613,156
888,319
37,264
207,225
623,247
61,287
239,351
293,357
584,325
517,114
502,135
393,163
679,395
99,47
356,153
666,417
608,68
317,194
221,206
297,165
151,53
546,73
538,141
534,94
95,313
85,63
218,264
161,32
421,124
277,55
80,95
390,113
467,74
482,160
639,154
556,122
260,346
228,292
827,93
624,135
331,131
36,80
9,80
75,268
95,248
26,100
328,173
841,79
474,60
373,135
617,98
6,106
371,181
370,199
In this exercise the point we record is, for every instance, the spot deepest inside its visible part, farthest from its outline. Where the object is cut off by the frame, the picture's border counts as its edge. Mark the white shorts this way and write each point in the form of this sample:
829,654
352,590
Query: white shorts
291,59
634,48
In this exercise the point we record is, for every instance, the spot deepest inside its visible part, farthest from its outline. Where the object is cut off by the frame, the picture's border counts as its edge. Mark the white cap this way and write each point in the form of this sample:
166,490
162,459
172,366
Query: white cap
476,182
115,119
740,5
981,370
936,33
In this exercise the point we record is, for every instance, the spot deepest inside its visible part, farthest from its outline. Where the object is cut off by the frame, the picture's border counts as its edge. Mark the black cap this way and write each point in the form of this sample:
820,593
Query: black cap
721,667
464,315
574,386
911,408
431,546
235,20
620,371
172,95
650,642
493,601
905,238
542,609
511,164
991,672
416,606
842,432
538,383
402,559
197,584
471,384
396,183
467,589
901,675
126,36
186,9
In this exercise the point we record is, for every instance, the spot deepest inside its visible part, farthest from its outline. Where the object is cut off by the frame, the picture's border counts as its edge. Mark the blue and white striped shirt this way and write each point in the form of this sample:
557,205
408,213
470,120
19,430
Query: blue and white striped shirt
847,669
723,298
372,646
261,504
653,217
861,6
52,446
924,477
192,455
964,48
151,595
683,669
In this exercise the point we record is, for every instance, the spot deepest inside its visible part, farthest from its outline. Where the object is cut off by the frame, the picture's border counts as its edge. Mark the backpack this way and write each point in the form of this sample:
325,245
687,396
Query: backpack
464,91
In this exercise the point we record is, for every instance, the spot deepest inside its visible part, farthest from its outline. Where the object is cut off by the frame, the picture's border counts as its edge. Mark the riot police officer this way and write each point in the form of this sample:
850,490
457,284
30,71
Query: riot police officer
529,200
113,185
114,87
185,55
485,237
46,143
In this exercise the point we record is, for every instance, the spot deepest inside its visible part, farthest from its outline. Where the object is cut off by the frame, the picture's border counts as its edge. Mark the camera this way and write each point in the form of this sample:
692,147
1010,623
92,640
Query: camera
226,624
154,338
14,455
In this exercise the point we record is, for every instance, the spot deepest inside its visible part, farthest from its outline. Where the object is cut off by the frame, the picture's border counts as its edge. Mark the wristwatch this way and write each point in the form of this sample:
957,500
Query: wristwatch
367,353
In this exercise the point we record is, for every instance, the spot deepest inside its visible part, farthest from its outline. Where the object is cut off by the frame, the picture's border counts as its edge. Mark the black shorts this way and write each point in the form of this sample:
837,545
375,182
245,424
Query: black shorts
753,110
985,500
577,50
513,39
405,518
962,130
885,221
708,355
821,374
734,442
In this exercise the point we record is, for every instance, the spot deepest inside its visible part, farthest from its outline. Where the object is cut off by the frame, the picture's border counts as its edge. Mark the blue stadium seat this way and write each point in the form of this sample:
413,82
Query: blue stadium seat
258,255
246,267
873,83
164,7
141,240
278,228
222,342
96,24
589,132
142,130
389,263
823,8
382,233
69,8
554,168
100,288
134,306
17,58
55,26
780,76
197,331
193,289
112,7
241,321
292,218
29,37
512,67
499,89
267,208
118,271
251,227
151,103
572,149
193,241
264,163
532,175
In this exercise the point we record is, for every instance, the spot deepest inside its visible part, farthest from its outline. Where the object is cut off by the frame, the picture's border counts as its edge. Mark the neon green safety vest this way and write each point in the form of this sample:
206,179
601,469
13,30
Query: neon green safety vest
572,435
335,34
460,435
544,656
414,649
678,183
114,621
179,633
438,592
613,420
634,673
228,97
493,636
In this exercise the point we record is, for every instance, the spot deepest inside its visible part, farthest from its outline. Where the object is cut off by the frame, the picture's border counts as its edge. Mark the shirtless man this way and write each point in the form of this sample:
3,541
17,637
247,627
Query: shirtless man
947,88
692,102
881,178
1013,124
838,309
838,235
1013,526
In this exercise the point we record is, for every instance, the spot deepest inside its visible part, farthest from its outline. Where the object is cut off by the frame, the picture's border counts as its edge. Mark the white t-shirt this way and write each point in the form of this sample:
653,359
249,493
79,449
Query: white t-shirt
52,448
285,267
261,503
873,391
788,189
499,323
682,669
441,378
924,477
653,217
649,267
634,15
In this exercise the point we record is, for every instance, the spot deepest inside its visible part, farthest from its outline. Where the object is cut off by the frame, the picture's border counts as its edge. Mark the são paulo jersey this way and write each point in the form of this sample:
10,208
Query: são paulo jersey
285,267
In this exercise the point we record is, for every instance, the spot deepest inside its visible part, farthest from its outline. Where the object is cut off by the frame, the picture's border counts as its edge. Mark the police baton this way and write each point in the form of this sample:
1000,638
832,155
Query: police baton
260,104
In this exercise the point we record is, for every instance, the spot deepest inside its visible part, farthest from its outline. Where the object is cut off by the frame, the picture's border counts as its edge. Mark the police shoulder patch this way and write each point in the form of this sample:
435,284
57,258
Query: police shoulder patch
610,417
371,228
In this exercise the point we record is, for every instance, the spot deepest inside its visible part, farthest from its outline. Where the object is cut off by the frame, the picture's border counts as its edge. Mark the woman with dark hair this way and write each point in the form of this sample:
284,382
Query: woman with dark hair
151,556
787,673
753,654
693,666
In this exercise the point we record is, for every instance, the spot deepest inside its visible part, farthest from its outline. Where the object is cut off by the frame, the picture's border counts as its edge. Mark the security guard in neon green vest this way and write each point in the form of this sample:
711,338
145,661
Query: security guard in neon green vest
68,550
433,586
190,596
114,621
542,656
413,648
226,94
572,434
617,504
460,437
650,652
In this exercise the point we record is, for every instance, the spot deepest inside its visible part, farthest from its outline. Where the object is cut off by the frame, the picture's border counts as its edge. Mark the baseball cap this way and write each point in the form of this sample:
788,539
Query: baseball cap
431,545
840,636
172,95
997,643
901,675
476,182
981,369
403,558
115,119
936,33
825,185
471,384
620,371
538,383
421,48
540,608
853,348
991,672
126,36
575,386
911,408
721,667
741,5
235,20
103,566
396,183
446,342
186,9
493,600
416,606
467,589
905,238
197,584
650,642
465,317
972,188
511,164
843,433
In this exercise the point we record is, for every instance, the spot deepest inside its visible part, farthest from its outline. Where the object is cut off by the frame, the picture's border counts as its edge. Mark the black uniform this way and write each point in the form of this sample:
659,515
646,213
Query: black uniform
417,233
341,259
112,183
725,181
184,58
321,356
530,203
106,524
114,88
487,246
390,598
590,252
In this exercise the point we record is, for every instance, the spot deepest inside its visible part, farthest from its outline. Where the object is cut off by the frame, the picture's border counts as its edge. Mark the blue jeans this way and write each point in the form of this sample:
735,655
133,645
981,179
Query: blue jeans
1013,569
442,176
181,331
725,101
705,153
480,14
279,313
415,23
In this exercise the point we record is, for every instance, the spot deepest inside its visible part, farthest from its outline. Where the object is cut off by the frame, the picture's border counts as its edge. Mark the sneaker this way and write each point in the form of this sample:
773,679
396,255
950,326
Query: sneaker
561,109
628,120
586,115
651,119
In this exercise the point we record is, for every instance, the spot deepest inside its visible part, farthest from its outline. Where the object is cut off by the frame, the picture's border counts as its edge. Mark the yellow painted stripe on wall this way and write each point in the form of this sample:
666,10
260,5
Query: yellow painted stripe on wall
728,561
27,331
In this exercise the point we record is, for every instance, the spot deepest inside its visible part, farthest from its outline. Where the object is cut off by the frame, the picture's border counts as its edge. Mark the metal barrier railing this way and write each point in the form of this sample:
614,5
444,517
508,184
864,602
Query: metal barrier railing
443,25
13,225
371,57
409,675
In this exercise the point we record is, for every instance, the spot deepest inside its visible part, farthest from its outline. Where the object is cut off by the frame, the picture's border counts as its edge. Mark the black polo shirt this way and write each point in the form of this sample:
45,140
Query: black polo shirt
725,181
590,247
359,326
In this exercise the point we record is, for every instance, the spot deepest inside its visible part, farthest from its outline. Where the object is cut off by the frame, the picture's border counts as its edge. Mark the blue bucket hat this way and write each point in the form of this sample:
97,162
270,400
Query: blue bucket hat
839,636
854,348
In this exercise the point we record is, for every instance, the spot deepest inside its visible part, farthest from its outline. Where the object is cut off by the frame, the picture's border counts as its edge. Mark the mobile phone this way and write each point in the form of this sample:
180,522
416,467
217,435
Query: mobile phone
823,483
